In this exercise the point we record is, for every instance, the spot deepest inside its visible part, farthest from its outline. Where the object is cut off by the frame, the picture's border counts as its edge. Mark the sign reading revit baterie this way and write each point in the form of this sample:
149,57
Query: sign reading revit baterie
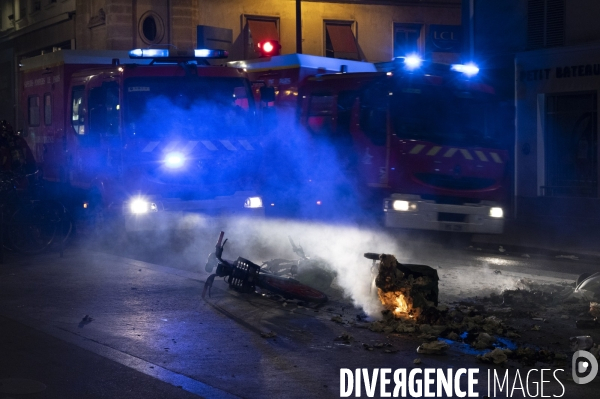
559,72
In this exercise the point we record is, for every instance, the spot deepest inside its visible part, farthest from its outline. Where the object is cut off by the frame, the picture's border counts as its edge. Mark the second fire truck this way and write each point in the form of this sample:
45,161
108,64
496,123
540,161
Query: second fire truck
423,139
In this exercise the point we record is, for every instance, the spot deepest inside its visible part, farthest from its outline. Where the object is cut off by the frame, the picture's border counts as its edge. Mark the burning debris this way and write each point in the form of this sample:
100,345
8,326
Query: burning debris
406,290
487,327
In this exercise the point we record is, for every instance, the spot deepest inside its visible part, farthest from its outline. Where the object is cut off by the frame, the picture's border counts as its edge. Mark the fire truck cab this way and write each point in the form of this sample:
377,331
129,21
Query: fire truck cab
422,139
145,134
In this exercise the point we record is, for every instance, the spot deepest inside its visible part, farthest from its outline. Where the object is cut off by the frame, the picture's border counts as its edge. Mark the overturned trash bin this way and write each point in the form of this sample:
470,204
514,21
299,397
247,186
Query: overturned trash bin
406,290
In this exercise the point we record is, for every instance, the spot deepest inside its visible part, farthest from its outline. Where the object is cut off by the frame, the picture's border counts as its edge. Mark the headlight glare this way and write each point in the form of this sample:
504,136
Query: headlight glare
496,212
400,205
174,160
253,202
139,206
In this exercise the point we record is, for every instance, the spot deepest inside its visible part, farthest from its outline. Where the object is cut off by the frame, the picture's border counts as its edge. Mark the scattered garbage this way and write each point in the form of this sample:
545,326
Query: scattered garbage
86,320
483,341
496,356
344,338
433,348
584,342
501,249
417,361
269,334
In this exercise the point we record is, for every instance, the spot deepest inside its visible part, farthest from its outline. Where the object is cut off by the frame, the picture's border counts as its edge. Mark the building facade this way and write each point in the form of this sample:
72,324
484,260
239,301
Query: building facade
374,30
550,59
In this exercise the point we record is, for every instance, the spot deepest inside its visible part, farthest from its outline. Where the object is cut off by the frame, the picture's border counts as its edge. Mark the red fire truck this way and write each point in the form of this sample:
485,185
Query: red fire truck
146,133
424,139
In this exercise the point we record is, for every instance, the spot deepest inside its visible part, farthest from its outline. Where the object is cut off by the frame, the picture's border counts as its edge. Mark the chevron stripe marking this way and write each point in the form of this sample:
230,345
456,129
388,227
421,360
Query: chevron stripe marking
466,154
171,146
495,157
450,152
247,146
190,146
209,146
434,150
481,156
227,144
150,146
417,149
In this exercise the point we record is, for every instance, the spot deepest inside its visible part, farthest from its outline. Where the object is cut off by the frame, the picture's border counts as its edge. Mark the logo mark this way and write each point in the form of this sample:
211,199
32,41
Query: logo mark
589,364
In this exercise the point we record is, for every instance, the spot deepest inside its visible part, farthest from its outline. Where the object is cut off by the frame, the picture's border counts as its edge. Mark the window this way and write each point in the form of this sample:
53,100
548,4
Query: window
259,29
151,28
320,113
34,110
103,104
406,39
571,145
47,109
37,5
340,41
545,23
77,119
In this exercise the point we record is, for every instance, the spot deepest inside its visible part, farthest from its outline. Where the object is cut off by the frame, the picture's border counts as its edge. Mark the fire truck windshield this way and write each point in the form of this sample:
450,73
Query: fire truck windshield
191,107
443,115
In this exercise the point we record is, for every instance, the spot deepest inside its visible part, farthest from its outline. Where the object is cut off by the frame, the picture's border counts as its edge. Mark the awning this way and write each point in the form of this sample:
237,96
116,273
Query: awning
261,30
342,41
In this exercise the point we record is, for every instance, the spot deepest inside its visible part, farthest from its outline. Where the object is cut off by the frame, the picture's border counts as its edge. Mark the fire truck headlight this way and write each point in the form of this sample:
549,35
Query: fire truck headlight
253,202
496,212
174,160
400,205
139,206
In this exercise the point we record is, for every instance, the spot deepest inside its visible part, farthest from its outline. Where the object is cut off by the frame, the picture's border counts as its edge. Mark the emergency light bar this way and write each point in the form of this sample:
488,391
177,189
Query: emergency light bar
164,53
148,53
468,69
207,53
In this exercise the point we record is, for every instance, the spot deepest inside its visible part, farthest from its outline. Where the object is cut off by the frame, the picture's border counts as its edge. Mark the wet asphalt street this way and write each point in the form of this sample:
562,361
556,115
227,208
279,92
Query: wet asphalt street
123,317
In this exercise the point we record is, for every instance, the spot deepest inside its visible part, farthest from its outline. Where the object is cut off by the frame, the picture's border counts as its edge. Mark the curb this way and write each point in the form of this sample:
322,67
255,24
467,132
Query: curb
492,246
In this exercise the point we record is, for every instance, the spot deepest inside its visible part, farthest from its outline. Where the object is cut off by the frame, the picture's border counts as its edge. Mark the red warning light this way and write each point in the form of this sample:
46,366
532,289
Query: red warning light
269,48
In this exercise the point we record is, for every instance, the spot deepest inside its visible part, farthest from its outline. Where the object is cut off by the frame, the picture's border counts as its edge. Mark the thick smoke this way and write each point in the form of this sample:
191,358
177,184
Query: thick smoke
296,168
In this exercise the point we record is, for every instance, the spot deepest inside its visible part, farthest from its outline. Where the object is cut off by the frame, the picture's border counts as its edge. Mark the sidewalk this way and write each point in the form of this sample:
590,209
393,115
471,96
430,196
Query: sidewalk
543,237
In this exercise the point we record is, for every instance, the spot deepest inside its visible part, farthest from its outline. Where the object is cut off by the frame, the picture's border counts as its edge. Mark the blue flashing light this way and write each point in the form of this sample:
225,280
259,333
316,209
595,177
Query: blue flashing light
148,53
413,61
202,53
469,69
174,160
208,53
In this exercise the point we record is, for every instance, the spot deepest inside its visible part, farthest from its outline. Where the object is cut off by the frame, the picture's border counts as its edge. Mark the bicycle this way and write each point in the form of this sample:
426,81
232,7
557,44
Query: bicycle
244,276
30,224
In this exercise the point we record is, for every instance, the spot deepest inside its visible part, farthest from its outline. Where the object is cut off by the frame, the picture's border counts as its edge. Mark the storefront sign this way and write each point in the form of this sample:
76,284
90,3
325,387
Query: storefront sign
445,38
561,72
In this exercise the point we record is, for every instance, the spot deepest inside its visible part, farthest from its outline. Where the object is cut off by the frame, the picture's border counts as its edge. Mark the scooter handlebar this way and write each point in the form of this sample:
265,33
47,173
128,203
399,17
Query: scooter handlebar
371,255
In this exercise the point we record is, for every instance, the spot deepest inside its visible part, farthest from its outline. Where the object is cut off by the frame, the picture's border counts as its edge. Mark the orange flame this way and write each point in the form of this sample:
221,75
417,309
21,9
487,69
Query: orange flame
396,302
